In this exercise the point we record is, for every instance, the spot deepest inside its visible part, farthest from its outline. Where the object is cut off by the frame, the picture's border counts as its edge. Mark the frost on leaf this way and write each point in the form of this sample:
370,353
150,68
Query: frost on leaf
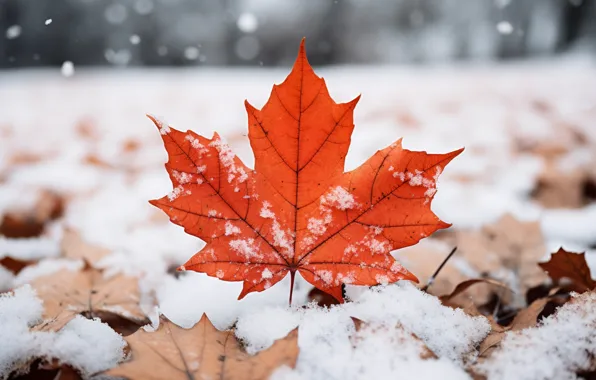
298,211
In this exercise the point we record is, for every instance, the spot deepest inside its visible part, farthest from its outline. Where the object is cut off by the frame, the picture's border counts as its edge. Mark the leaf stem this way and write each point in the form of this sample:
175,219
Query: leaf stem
292,275
432,278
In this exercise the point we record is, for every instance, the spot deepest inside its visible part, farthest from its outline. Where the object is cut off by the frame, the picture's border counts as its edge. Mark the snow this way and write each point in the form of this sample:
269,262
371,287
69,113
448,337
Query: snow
279,322
247,22
571,225
281,238
448,332
562,345
246,247
266,274
504,27
88,345
46,268
6,279
231,229
18,344
67,69
339,198
13,32
29,249
331,348
487,109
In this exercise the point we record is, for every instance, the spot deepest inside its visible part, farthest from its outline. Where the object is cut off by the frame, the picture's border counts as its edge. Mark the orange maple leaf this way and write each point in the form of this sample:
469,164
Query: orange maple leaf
298,211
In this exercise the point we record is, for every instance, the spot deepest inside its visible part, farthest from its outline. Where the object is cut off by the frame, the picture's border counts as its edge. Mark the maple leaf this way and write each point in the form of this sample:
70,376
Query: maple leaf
68,293
201,352
563,264
298,211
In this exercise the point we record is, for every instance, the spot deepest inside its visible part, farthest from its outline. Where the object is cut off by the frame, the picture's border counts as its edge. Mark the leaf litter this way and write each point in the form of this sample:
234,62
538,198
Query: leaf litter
502,317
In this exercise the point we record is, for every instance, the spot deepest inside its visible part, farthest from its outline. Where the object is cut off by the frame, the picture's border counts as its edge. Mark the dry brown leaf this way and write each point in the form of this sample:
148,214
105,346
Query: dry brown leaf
453,299
557,188
528,317
94,160
30,223
74,247
202,352
501,250
87,292
321,298
572,266
15,265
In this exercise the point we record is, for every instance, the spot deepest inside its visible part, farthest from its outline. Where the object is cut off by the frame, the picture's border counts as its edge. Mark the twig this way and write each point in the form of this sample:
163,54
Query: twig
432,278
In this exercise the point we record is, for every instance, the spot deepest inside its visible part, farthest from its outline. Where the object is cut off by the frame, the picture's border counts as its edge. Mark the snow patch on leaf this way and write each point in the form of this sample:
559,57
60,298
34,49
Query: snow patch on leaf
177,191
339,198
227,159
266,274
281,238
162,124
231,229
182,177
246,248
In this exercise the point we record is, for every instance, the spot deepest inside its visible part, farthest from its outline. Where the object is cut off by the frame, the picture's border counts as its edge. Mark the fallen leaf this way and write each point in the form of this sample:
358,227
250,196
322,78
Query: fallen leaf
201,352
570,265
15,265
31,222
507,251
463,286
42,370
68,293
528,317
74,247
557,188
321,298
298,211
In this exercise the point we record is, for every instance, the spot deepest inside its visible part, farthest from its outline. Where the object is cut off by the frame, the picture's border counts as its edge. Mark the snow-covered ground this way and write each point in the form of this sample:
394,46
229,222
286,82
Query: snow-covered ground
86,137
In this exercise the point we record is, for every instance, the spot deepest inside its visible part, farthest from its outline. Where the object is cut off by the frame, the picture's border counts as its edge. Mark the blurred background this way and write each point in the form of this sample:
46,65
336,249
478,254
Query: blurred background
266,32
512,81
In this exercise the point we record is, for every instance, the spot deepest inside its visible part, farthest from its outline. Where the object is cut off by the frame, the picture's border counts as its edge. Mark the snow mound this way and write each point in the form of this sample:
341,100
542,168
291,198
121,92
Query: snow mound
29,249
88,345
46,268
562,345
331,348
18,311
448,332
330,334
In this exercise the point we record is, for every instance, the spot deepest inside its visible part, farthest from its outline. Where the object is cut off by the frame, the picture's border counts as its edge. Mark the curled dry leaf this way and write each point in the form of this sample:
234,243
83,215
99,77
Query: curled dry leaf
74,247
68,293
572,266
201,352
298,211
452,298
525,318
